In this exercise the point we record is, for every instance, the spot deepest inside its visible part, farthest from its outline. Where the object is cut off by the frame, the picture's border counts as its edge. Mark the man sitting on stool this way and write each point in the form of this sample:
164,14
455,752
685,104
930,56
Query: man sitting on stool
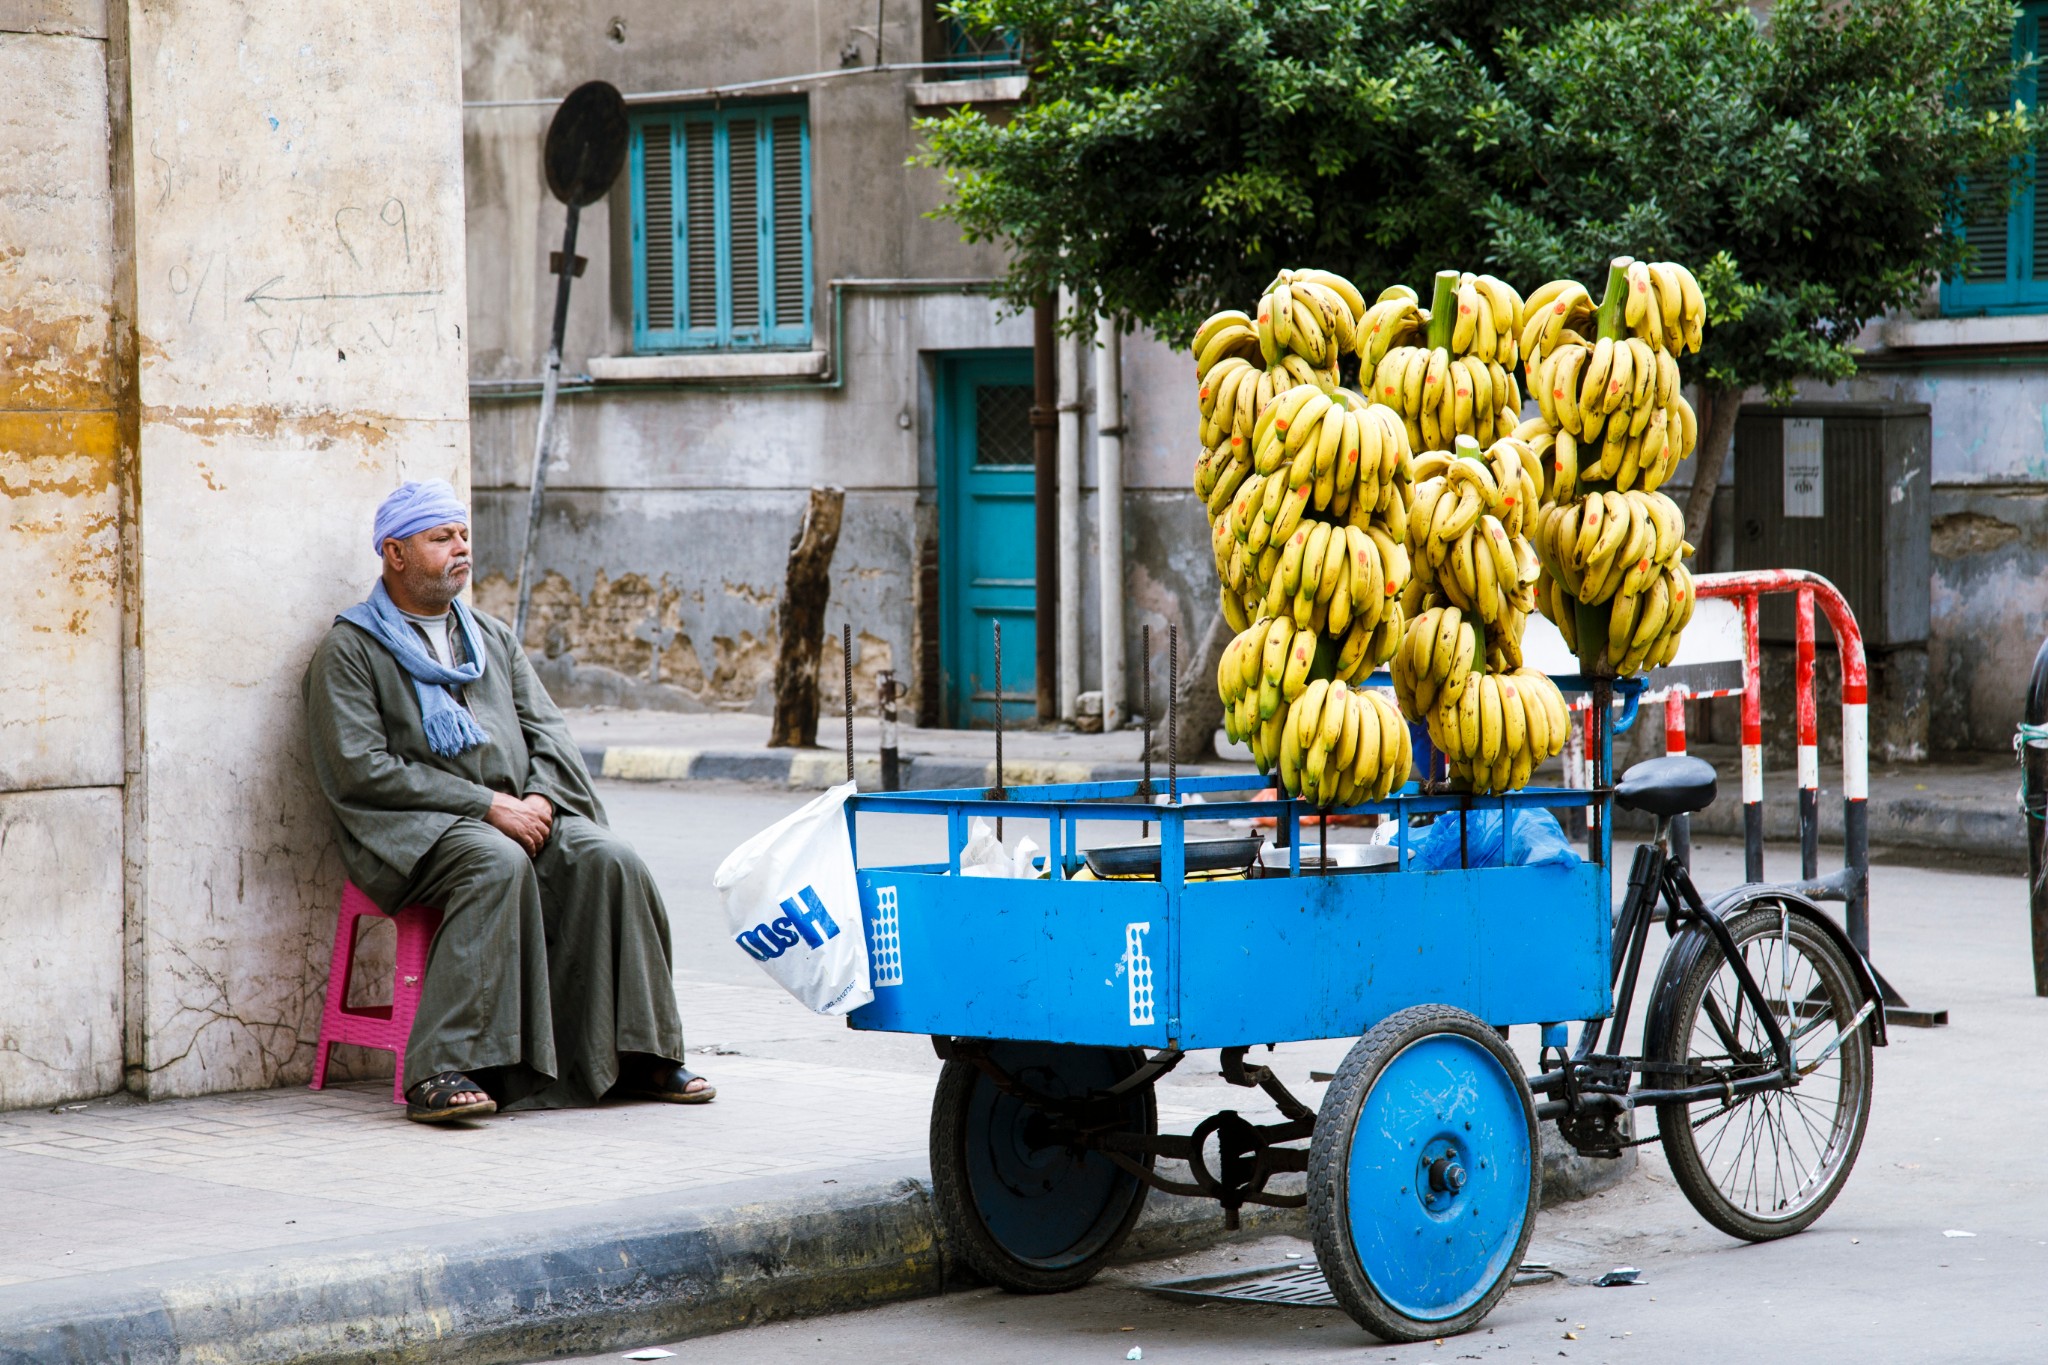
454,783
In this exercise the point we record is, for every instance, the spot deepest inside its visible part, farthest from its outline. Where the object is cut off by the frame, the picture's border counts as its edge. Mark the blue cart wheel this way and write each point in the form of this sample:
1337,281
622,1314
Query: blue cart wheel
1021,1201
1423,1181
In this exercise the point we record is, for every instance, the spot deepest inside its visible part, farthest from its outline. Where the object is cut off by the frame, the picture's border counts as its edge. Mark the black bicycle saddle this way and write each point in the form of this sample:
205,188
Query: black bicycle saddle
1676,785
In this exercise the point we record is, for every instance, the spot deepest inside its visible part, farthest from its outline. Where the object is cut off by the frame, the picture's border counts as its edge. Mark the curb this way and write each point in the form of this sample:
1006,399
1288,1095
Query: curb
817,769
584,1281
519,1288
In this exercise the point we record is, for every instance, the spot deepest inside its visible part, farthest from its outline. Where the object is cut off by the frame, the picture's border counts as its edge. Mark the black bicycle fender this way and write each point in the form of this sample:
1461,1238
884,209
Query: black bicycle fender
1731,903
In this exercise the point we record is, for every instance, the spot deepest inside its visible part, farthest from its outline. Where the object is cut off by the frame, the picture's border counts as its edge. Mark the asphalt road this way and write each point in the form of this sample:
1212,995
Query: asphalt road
1954,1147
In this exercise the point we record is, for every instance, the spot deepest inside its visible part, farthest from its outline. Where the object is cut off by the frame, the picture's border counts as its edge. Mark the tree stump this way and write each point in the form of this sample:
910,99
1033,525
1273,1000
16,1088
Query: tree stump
800,621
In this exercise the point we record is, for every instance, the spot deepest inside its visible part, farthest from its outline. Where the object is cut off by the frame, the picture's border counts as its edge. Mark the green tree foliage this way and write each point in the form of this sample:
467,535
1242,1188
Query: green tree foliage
1174,153
1804,165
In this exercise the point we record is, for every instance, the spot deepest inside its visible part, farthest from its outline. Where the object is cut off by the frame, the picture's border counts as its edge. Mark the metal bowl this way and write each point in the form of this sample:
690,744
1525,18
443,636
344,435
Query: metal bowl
1203,855
1344,859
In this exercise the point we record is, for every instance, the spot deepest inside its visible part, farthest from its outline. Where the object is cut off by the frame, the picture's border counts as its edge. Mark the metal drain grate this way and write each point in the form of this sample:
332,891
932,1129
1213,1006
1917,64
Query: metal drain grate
1293,1285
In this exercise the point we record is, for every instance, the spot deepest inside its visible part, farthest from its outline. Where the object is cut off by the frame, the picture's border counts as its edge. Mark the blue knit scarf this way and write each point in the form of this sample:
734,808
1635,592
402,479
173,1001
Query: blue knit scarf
450,727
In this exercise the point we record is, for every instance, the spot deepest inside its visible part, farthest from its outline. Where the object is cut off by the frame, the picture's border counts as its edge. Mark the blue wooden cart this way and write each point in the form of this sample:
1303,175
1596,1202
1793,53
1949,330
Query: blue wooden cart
1057,1002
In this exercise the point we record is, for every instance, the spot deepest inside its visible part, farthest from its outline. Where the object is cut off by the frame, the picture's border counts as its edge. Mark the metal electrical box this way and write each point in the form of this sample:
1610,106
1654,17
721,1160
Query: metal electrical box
1840,489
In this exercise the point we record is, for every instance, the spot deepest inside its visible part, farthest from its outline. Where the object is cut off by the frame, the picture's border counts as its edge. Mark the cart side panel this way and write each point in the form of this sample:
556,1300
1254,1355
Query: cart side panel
1327,957
984,957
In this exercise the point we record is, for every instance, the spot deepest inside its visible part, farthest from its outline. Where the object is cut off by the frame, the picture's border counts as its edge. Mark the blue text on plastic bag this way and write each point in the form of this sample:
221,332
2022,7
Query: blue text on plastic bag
1537,840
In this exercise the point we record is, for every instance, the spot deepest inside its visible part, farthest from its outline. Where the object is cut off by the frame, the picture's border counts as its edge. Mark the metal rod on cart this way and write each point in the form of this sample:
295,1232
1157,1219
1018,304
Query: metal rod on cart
1145,720
1323,844
846,659
1173,715
1603,758
998,793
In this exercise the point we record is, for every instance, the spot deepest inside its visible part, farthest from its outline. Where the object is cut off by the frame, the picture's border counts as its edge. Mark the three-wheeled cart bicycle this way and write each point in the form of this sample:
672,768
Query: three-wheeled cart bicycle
1056,1002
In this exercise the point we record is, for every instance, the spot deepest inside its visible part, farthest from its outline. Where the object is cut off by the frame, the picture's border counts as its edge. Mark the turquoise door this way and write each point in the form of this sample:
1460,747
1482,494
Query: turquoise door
987,560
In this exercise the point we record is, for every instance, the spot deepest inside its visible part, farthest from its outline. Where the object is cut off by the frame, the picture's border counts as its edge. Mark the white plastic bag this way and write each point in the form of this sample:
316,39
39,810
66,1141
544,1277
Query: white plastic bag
983,855
793,905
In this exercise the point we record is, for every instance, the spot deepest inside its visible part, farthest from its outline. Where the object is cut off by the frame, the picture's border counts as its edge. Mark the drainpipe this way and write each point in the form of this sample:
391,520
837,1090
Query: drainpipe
1069,515
1109,492
1048,485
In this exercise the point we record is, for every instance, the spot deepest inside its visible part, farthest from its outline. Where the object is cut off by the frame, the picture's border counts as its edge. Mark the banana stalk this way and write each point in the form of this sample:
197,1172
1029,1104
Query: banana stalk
1593,619
1443,310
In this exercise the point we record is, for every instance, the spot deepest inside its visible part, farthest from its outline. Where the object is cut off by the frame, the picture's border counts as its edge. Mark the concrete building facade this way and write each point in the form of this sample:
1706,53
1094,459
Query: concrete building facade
682,470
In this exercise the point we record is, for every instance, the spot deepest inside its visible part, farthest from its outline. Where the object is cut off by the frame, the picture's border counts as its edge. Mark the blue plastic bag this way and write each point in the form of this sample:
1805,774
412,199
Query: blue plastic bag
1537,840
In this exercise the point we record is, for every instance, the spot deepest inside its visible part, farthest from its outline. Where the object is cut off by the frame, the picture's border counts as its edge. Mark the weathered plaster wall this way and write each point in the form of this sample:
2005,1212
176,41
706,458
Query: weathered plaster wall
1990,610
1990,537
298,227
61,459
672,510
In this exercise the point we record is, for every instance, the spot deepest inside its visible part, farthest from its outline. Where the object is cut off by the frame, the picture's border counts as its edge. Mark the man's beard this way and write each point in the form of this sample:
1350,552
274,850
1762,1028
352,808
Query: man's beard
439,589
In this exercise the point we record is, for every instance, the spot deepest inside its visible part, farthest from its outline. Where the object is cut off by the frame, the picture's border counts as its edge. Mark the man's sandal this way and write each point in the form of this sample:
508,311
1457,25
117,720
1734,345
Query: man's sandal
432,1100
668,1084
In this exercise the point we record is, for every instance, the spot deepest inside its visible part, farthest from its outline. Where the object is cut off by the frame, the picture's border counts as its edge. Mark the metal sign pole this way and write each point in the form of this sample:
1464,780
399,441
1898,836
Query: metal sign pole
585,151
567,266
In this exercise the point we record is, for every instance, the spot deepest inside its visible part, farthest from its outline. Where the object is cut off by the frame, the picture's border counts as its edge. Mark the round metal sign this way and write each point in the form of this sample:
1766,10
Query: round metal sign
586,147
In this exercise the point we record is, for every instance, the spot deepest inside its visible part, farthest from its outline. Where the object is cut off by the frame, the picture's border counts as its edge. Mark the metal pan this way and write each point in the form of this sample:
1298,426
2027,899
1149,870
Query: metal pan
1203,855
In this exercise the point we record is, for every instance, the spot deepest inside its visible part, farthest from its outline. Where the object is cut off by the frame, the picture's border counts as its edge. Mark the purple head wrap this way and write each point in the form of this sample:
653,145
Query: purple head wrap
416,507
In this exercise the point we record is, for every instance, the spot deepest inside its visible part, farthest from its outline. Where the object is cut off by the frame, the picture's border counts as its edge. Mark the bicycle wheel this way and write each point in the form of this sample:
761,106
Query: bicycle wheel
1026,1207
1763,1165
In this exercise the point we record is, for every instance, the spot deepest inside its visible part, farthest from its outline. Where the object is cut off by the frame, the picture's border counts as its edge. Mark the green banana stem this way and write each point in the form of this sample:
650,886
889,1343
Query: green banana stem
1614,303
1443,310
1592,623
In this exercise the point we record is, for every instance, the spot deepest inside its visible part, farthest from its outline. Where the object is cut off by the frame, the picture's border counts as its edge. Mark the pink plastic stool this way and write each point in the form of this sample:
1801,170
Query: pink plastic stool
380,1026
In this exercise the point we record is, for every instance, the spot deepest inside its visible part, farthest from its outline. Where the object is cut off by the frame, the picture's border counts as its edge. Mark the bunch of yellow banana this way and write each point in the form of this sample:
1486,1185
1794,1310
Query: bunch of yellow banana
1441,396
1605,542
1397,318
1621,404
1628,550
1665,306
1560,311
1618,397
1264,667
1465,385
1465,532
1341,745
1498,728
1489,322
1341,455
1435,660
1312,314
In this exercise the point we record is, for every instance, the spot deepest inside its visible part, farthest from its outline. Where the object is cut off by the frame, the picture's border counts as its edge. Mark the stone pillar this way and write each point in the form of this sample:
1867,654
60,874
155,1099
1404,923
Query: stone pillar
61,395
291,187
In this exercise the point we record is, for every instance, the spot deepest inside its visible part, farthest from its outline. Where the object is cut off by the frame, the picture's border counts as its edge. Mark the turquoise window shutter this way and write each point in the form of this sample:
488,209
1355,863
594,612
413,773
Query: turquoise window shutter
722,228
2008,269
